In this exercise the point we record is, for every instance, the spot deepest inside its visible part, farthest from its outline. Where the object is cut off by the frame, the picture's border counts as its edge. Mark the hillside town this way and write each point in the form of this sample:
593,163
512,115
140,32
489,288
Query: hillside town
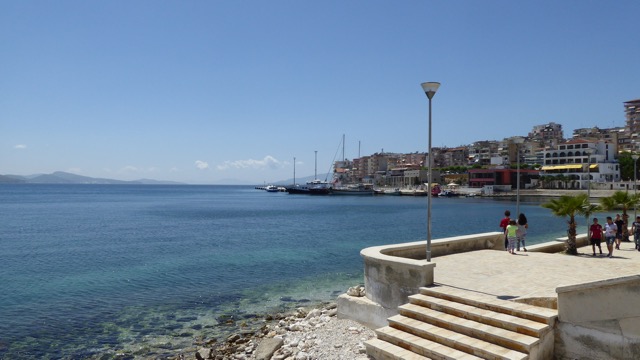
591,158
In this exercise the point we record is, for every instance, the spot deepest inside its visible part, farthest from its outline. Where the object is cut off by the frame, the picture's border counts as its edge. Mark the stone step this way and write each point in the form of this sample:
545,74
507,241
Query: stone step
488,302
485,316
496,335
422,346
469,344
382,350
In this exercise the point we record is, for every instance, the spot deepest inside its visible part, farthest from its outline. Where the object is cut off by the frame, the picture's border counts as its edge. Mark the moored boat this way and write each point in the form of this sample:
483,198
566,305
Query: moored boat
319,187
353,189
387,191
314,187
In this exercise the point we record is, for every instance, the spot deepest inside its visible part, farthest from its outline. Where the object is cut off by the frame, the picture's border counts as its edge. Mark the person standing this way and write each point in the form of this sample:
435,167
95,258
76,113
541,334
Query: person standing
522,231
503,224
511,234
595,236
635,229
620,225
610,231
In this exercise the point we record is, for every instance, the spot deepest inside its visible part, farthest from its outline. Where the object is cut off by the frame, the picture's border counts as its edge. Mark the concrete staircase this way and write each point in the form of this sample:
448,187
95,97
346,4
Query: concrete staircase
444,322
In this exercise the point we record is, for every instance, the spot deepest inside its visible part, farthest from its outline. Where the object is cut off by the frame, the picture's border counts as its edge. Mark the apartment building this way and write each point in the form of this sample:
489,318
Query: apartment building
547,135
458,156
632,118
481,152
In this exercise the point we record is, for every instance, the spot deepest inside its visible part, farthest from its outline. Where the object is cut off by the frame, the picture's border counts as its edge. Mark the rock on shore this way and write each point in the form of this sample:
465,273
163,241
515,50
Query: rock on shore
307,334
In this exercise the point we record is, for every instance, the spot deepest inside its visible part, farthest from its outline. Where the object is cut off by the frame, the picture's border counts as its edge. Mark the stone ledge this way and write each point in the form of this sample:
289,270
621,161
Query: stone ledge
364,311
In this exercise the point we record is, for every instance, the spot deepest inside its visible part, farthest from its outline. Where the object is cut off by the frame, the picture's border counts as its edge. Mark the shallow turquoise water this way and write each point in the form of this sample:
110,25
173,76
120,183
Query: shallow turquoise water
92,268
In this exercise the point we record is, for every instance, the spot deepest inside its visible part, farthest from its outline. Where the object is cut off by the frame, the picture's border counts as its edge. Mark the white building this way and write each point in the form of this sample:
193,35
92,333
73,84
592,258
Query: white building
581,162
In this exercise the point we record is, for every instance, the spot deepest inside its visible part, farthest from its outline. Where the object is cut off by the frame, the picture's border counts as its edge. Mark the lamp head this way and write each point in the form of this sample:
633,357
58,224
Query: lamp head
430,88
635,157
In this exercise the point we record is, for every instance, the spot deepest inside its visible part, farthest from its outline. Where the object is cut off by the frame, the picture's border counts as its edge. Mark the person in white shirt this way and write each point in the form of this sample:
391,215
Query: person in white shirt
610,231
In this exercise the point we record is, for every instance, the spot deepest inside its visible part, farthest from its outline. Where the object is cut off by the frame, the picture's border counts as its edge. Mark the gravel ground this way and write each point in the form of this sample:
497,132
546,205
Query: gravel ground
333,340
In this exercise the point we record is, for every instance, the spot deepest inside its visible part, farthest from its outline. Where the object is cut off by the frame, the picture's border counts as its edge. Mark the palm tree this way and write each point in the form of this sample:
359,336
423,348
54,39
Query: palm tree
625,201
570,205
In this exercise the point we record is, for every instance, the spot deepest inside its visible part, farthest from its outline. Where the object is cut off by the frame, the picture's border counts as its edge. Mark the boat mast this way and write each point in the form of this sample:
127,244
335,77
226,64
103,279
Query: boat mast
316,170
343,148
294,171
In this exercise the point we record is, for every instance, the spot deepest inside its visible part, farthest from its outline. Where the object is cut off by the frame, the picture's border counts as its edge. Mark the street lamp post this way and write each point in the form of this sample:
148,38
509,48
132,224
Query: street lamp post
588,152
430,89
518,141
635,186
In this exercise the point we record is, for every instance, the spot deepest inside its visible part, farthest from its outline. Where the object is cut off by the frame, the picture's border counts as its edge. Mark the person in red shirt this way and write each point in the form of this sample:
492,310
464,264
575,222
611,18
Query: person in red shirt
595,236
503,224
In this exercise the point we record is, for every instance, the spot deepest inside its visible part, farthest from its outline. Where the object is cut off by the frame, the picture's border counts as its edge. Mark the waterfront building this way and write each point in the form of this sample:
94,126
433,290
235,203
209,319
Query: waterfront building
568,163
414,177
503,178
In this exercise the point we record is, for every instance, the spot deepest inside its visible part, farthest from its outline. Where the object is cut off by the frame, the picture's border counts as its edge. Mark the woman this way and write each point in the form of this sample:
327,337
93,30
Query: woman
522,231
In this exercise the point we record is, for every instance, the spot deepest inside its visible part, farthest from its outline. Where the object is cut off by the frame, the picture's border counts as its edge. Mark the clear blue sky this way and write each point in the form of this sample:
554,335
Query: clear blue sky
231,91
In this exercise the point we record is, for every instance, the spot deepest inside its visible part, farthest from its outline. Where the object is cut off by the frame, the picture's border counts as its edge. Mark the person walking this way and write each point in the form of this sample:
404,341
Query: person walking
595,236
610,231
522,231
635,229
511,234
620,225
503,224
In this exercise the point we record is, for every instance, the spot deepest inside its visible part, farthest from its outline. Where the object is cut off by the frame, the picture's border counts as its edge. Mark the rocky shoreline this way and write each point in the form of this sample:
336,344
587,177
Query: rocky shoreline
304,333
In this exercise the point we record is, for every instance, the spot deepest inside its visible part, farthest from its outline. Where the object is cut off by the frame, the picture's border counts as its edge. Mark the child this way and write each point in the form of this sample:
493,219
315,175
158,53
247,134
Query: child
522,231
610,231
503,224
511,234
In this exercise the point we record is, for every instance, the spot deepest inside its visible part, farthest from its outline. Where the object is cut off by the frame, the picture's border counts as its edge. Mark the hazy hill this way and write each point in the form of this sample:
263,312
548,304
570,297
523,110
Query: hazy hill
61,177
12,179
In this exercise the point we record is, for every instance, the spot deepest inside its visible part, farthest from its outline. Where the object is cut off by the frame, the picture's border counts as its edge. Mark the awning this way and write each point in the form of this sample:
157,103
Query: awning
562,167
594,166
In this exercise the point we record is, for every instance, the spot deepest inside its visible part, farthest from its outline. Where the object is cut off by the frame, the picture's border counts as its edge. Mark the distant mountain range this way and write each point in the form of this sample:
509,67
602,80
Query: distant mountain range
60,177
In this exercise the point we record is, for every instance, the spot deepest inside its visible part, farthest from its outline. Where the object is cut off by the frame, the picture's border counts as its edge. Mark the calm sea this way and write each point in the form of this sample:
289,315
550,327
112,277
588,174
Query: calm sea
93,269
